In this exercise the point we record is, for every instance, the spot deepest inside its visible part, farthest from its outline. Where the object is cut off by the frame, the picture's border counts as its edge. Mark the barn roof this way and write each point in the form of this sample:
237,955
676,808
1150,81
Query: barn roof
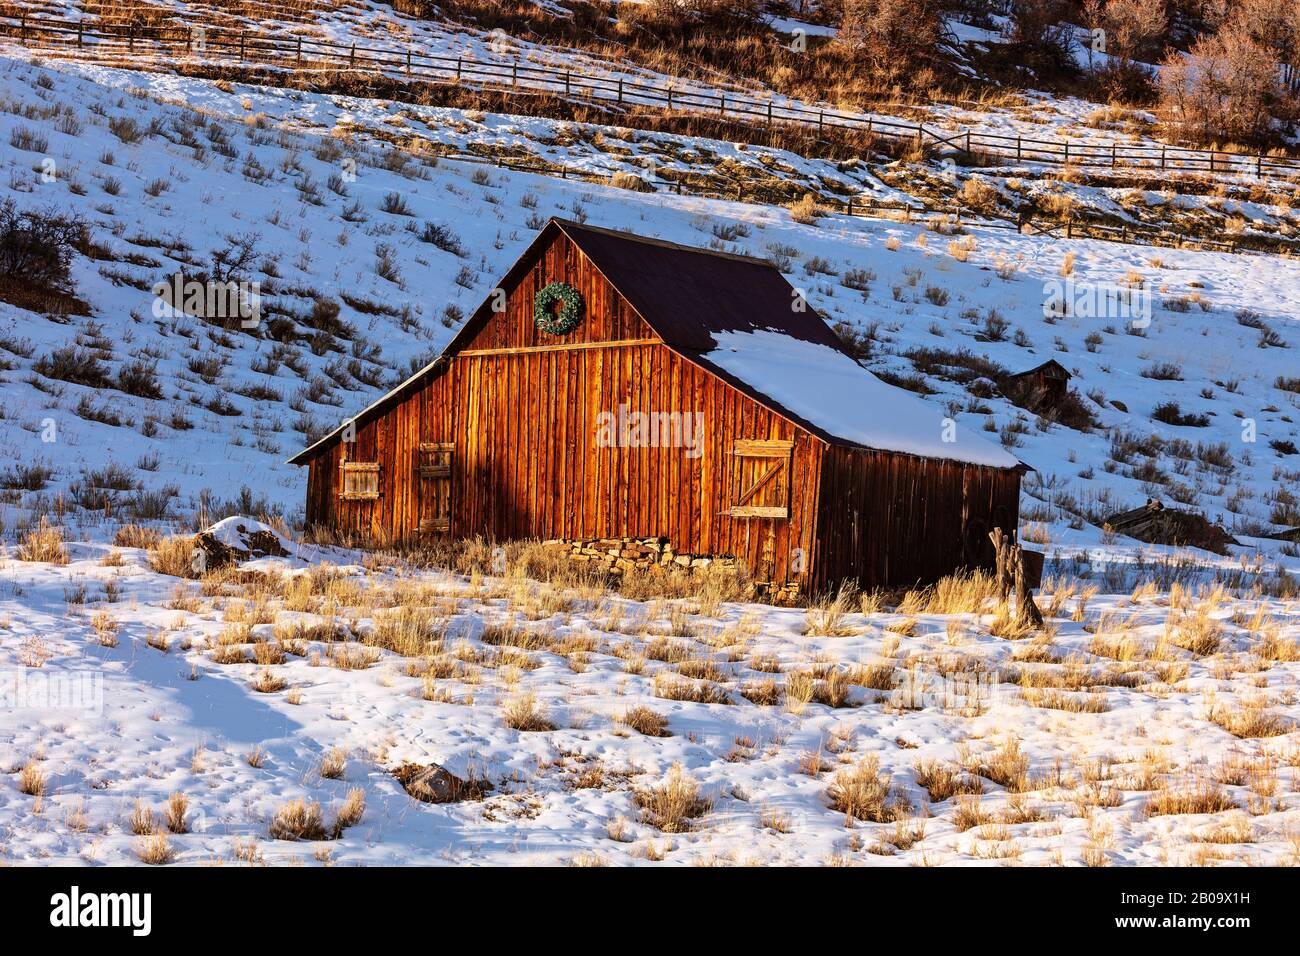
741,319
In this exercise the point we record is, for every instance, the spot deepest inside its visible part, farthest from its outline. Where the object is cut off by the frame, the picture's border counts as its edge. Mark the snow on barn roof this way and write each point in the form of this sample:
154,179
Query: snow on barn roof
738,317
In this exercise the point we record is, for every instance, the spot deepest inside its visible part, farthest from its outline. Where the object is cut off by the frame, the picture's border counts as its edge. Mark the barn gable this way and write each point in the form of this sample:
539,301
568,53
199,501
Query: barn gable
708,307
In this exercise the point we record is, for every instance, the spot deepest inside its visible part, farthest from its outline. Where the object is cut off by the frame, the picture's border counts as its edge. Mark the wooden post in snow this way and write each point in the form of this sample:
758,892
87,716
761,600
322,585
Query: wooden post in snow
1011,576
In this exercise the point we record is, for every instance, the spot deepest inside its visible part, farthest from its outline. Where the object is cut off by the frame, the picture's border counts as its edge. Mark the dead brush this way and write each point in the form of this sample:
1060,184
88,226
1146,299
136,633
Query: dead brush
155,850
178,806
1198,633
142,821
668,651
1197,795
970,593
350,814
511,635
269,653
670,686
873,676
863,792
1250,720
32,780
702,669
267,682
334,763
644,721
825,616
674,805
1008,766
105,629
523,713
353,657
943,781
764,693
43,543
298,820
408,631
173,555
136,536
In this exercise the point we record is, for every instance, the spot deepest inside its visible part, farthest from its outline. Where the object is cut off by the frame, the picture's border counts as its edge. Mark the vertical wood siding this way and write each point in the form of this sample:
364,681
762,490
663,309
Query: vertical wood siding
527,463
891,520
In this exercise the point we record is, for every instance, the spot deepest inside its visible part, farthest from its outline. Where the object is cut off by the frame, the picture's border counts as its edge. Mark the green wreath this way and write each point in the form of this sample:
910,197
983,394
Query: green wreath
570,313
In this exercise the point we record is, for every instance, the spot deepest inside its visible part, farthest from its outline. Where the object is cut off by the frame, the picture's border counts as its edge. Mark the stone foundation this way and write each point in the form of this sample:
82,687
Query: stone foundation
618,556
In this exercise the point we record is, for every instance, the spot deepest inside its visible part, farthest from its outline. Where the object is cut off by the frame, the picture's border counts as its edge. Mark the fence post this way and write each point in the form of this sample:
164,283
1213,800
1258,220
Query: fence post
567,75
1259,166
22,27
722,104
1017,149
821,116
80,28
458,69
300,51
408,61
1112,155
352,56
968,141
670,106
850,205
514,73
769,114
620,91
241,46
1067,152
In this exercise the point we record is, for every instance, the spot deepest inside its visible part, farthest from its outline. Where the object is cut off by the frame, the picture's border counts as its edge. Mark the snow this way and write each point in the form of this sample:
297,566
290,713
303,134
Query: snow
830,390
176,720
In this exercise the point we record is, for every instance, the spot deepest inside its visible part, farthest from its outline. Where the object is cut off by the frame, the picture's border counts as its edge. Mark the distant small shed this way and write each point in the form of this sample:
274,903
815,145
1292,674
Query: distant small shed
1039,389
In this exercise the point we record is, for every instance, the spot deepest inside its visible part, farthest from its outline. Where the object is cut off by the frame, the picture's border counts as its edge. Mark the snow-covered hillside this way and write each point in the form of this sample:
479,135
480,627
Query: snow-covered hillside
340,221
156,718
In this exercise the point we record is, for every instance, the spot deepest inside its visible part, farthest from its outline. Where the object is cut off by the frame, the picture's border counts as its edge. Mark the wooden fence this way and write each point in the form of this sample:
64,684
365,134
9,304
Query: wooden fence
519,75
247,47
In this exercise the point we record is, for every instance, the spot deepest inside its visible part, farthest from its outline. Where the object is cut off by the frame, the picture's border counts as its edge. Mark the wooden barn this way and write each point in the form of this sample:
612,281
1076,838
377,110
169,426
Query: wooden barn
621,387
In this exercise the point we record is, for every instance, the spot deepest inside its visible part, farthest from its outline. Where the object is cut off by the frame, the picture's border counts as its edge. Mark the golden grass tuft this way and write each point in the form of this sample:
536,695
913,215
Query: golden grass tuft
1190,796
523,713
298,820
155,850
43,543
643,720
173,555
863,792
673,805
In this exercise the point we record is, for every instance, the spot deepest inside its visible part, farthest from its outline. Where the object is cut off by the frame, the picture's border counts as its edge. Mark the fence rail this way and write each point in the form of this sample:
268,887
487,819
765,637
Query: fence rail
299,52
521,76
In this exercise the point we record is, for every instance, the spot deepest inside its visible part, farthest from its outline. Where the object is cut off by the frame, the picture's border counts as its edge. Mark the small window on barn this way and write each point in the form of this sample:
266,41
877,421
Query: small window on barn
360,480
764,487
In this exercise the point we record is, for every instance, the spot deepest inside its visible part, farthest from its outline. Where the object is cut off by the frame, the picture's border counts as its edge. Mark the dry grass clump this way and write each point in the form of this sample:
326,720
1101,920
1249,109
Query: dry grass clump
670,686
43,543
350,814
32,780
1008,766
178,806
1196,632
1191,796
267,682
674,804
173,555
353,657
334,763
943,781
1250,720
409,631
298,820
136,536
142,822
105,628
645,721
764,693
155,850
969,593
863,792
825,616
523,713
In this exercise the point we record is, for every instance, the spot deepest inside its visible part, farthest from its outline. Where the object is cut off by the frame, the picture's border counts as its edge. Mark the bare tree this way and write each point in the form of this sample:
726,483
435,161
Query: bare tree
1227,89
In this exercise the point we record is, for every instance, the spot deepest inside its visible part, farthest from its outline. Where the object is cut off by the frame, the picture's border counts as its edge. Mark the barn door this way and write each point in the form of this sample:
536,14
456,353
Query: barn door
433,470
764,469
